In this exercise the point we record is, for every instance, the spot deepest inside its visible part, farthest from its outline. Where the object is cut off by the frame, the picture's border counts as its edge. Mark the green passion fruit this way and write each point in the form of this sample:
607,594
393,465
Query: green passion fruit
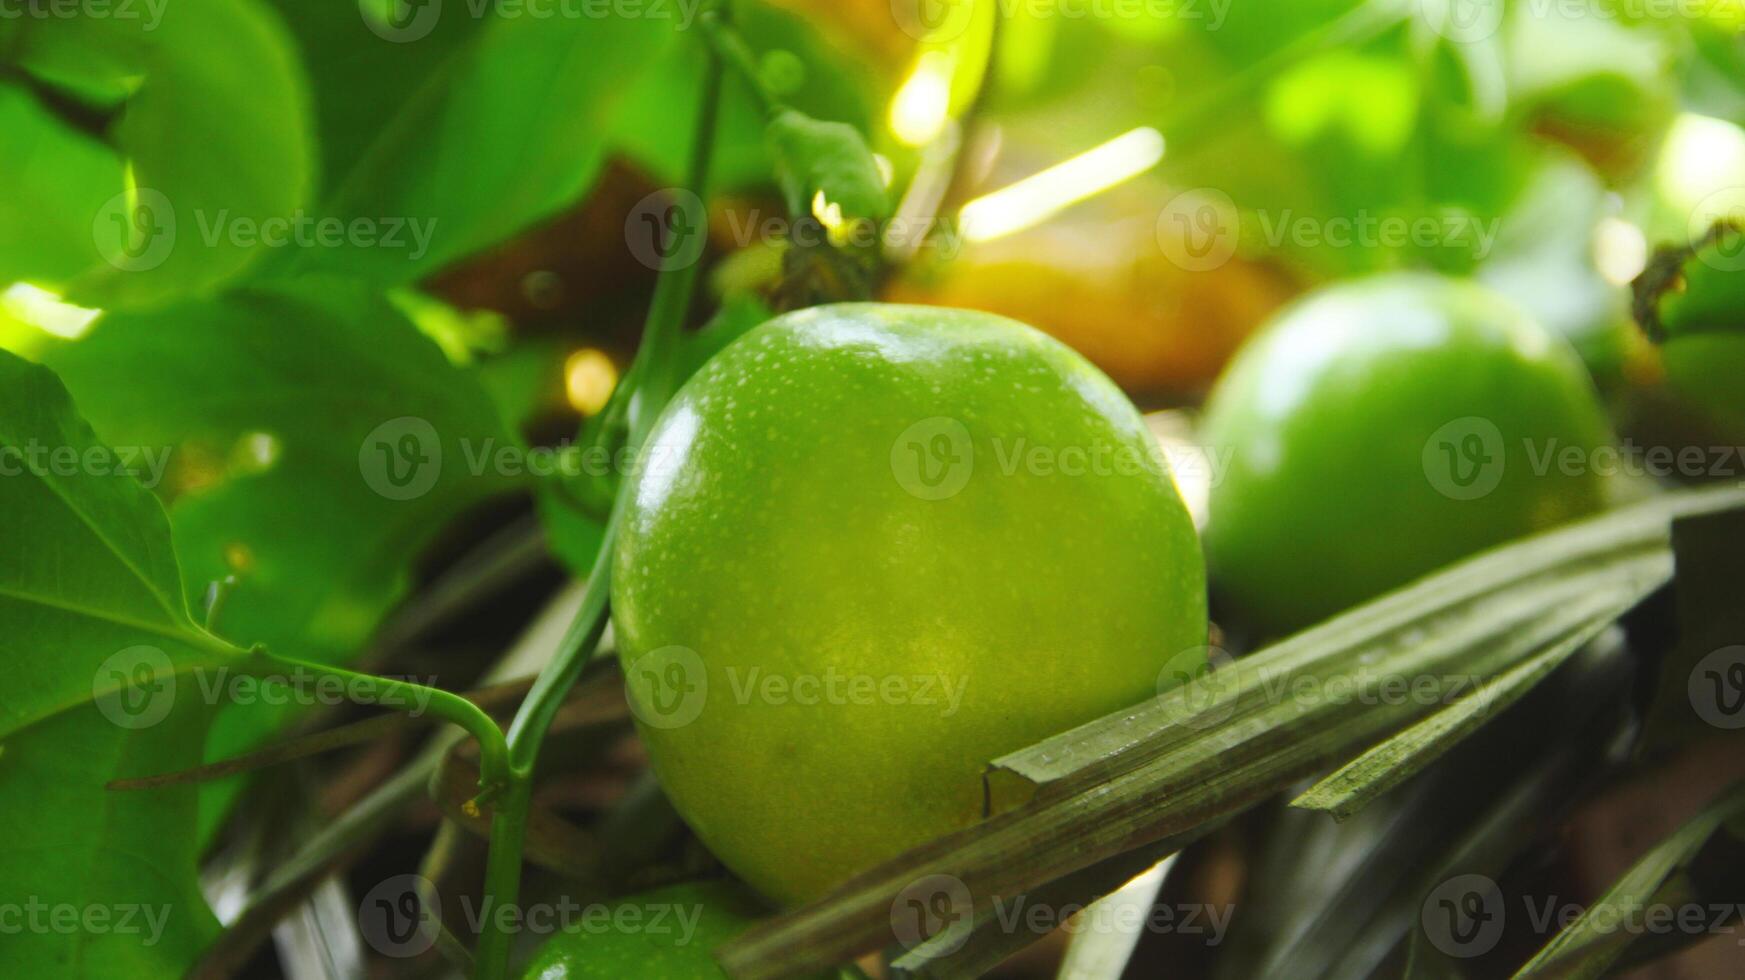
868,549
1380,429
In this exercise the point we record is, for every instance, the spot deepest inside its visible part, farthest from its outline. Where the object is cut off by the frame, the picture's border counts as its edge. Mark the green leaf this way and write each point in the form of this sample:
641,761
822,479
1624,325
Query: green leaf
359,80
90,571
648,128
95,646
318,442
571,535
507,130
123,863
1163,770
1337,898
53,172
817,157
216,75
1404,755
1590,944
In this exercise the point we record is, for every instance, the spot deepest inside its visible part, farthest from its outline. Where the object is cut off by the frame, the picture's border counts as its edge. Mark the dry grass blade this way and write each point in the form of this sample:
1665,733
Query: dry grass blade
1235,737
989,941
1592,943
1399,758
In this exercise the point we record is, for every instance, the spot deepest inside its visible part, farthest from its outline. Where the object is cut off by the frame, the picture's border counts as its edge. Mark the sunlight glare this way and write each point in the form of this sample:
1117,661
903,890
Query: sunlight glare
46,311
1041,195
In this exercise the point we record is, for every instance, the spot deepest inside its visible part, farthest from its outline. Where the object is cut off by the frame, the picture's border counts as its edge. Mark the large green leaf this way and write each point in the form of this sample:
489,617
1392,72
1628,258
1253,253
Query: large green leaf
52,173
89,571
201,100
318,441
508,129
358,80
95,650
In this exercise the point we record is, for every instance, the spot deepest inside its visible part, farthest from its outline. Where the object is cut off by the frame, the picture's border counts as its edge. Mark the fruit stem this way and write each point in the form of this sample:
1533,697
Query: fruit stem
730,47
653,376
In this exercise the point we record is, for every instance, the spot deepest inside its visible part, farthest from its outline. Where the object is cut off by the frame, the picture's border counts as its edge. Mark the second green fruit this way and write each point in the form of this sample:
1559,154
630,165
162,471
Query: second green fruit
1380,429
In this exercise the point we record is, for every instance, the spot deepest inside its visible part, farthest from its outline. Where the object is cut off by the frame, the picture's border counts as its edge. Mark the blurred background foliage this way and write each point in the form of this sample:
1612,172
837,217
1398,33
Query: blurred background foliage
1553,145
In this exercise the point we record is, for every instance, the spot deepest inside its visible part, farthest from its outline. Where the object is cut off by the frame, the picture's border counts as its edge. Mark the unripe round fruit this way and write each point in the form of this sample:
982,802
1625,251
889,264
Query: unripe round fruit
871,548
667,934
1380,429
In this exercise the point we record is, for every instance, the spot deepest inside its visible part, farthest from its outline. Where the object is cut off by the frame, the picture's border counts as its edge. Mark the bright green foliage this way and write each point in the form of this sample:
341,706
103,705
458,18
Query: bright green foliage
1381,429
870,549
813,156
213,74
834,87
268,409
91,606
505,129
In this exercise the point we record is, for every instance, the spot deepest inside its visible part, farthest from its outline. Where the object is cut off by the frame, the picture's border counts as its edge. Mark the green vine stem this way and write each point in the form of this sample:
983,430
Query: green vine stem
450,707
653,376
731,48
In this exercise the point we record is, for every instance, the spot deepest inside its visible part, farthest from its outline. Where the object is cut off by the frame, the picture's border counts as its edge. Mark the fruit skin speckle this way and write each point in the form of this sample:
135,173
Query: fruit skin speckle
1380,429
943,537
